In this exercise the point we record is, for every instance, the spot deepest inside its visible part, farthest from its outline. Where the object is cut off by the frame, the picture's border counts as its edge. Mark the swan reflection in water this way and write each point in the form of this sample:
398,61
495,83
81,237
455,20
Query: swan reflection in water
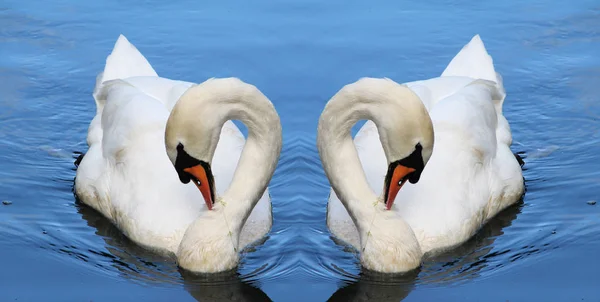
465,262
138,264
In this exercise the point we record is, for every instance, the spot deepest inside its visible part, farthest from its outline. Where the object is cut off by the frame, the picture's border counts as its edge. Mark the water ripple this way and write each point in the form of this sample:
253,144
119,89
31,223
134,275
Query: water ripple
52,51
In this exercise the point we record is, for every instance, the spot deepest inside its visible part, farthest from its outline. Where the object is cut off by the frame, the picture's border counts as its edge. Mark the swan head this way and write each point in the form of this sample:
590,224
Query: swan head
405,132
198,171
408,168
407,139
191,141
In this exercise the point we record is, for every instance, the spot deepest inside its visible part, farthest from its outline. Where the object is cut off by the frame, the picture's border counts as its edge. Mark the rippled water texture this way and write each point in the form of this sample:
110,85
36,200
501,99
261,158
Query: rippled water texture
299,53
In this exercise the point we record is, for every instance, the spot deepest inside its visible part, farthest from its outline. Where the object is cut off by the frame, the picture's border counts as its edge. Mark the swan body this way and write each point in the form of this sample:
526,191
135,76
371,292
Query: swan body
470,173
128,175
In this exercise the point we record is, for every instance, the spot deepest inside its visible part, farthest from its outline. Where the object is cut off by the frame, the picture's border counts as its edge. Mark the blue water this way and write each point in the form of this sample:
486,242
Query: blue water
299,53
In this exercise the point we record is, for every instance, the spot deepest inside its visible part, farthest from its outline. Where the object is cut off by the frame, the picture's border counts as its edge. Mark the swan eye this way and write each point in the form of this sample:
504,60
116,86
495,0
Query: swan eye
197,181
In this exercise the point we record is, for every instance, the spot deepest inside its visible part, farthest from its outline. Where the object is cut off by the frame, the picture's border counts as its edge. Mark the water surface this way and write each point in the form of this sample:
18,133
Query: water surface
299,53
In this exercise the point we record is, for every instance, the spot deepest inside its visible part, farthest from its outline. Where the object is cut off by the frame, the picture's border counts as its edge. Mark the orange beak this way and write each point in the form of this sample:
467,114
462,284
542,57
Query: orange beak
202,183
396,182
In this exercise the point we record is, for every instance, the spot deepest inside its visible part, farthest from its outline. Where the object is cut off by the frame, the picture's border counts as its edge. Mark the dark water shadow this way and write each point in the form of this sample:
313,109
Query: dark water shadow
463,263
373,286
140,265
225,286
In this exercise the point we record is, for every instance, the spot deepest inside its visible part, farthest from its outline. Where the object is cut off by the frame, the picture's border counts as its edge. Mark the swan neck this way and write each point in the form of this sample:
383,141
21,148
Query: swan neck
259,156
388,243
392,108
197,121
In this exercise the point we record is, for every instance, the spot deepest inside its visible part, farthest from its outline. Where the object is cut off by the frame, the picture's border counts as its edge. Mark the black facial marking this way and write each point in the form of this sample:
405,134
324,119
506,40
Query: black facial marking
414,160
184,161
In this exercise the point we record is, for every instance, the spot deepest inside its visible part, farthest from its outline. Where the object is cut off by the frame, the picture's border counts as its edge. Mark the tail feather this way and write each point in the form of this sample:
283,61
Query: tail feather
124,61
472,61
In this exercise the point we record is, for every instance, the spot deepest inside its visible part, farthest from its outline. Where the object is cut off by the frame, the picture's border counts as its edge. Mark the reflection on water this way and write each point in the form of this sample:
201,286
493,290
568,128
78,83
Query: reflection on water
223,287
372,286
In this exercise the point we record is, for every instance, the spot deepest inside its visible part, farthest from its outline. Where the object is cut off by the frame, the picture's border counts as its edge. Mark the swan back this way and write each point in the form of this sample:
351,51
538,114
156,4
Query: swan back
471,157
474,62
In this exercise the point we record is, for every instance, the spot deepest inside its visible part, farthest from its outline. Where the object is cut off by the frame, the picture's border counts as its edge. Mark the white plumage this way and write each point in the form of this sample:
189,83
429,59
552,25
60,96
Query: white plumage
471,175
127,176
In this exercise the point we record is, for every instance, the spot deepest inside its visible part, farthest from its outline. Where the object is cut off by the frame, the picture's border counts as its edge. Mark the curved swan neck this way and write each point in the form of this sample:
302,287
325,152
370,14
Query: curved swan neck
199,116
262,148
256,165
395,110
387,242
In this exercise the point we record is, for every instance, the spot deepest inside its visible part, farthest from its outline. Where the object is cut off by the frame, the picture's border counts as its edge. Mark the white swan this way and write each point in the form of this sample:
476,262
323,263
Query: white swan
144,188
457,184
